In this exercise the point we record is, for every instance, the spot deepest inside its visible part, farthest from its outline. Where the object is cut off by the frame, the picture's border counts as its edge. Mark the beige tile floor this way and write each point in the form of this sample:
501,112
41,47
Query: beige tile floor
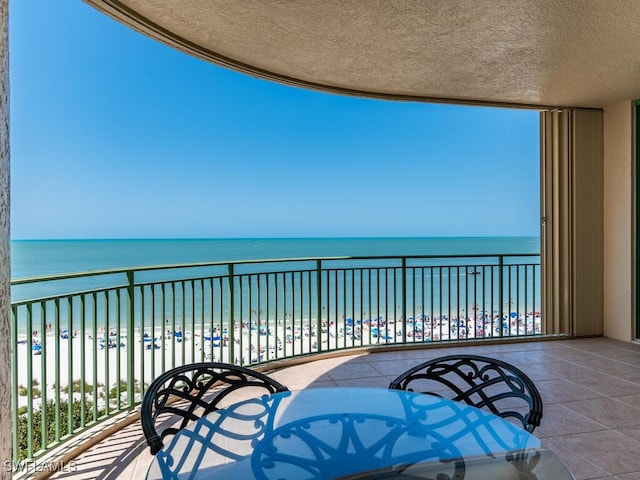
590,388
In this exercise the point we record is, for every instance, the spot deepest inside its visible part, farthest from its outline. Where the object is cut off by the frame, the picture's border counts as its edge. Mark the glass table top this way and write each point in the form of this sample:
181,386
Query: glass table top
353,433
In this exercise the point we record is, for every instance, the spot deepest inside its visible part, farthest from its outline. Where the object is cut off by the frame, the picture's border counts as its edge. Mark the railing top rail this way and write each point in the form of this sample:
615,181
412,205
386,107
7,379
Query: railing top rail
115,271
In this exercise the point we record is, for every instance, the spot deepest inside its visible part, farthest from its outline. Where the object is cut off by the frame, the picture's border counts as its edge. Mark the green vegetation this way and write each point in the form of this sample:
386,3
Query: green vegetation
76,387
66,423
113,391
24,391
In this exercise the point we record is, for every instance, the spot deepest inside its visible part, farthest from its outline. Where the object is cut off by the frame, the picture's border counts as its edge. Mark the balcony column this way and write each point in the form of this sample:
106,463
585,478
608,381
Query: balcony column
5,264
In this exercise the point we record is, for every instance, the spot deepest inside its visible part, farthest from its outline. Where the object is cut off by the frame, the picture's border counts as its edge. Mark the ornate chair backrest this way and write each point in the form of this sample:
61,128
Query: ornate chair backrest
187,393
479,381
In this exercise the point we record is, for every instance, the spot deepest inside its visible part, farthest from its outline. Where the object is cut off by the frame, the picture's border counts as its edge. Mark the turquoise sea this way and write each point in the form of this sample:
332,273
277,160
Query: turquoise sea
453,289
44,257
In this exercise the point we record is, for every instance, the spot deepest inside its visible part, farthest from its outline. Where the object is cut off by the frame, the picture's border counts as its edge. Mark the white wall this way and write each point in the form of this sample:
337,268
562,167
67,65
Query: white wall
618,221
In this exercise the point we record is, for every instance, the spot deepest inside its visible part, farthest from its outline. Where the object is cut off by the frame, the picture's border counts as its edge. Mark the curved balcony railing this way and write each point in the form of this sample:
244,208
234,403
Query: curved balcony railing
85,346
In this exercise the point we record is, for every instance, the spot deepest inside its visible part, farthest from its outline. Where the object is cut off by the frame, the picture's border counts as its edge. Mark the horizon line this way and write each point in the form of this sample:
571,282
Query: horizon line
359,237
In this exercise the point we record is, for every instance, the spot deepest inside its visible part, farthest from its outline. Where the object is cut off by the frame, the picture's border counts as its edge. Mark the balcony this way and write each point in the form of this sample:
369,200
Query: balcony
87,345
589,388
573,290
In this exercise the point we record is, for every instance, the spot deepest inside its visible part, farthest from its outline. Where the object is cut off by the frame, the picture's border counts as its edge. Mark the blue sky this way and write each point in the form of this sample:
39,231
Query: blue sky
114,135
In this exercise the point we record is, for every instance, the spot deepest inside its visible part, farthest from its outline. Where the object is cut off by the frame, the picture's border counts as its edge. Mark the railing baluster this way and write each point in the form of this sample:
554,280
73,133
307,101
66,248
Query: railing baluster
360,315
526,296
449,288
83,362
335,308
298,329
369,295
352,301
14,382
414,297
183,321
105,338
292,318
70,361
517,297
152,335
130,338
475,299
319,301
241,321
94,346
173,324
141,347
29,385
165,322
533,301
501,293
310,277
378,277
232,316
458,322
431,318
212,324
465,310
56,331
192,285
43,375
117,349
267,312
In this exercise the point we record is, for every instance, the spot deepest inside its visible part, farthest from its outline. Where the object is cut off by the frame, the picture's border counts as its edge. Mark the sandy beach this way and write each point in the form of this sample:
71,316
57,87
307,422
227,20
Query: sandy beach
71,360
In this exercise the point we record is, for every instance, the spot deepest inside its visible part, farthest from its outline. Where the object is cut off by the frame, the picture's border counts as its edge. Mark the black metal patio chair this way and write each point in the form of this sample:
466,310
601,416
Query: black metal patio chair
189,392
479,381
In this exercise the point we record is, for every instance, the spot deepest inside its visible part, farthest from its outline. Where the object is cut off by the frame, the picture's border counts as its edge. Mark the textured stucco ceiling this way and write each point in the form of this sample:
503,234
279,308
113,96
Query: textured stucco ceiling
545,53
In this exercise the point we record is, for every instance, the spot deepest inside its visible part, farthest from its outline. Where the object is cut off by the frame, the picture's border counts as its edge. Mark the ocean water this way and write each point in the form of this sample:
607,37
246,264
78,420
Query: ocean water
44,257
435,289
